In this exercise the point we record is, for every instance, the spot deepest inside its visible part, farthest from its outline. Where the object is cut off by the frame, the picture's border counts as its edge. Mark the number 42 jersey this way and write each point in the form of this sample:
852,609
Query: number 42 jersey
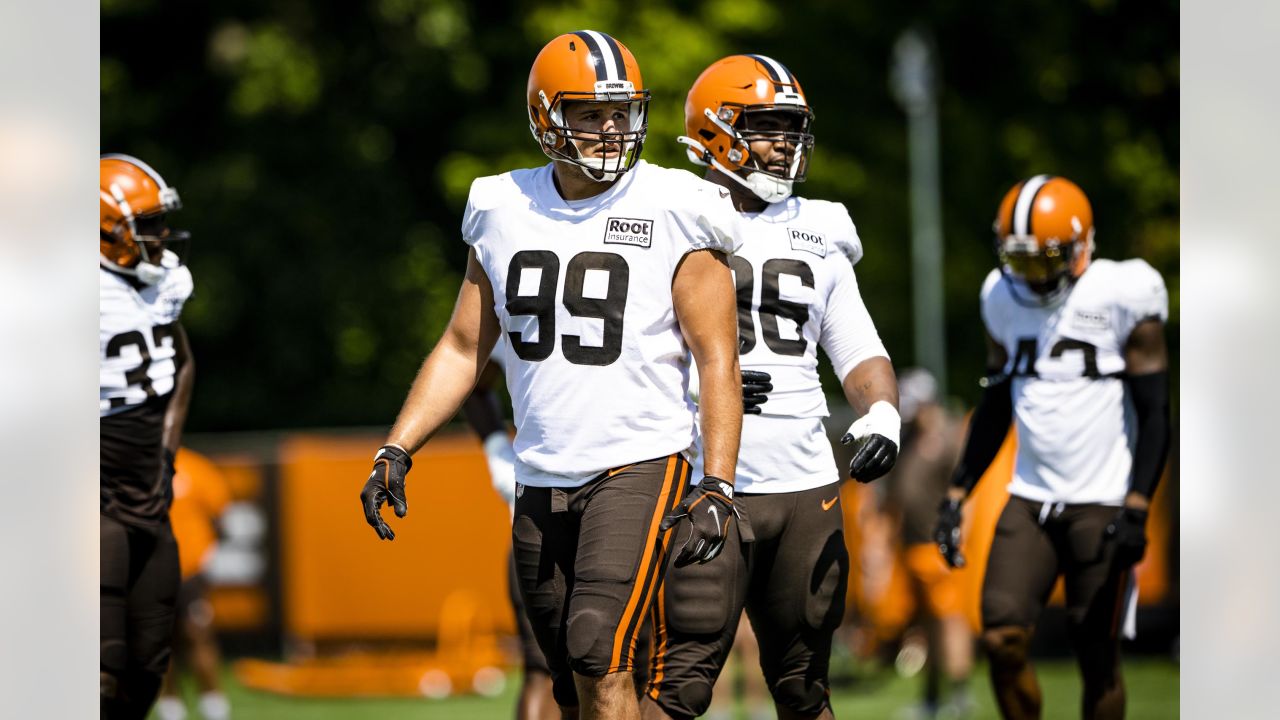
1075,424
596,365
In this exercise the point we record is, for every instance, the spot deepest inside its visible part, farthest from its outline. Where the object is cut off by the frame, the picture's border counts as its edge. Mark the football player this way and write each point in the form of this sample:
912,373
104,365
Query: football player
1077,359
749,123
145,382
600,274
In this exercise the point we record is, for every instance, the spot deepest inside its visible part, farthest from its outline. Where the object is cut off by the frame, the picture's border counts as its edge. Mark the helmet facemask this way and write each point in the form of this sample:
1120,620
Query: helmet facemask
786,127
143,245
564,143
1047,270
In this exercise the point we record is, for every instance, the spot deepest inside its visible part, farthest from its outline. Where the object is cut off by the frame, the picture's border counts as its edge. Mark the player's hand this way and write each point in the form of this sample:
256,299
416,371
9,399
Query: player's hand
502,464
707,510
947,532
1128,530
755,388
386,485
875,442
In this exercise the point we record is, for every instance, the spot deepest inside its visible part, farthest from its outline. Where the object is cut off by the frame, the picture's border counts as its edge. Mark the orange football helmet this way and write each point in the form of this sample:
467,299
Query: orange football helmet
587,66
723,116
1044,233
132,202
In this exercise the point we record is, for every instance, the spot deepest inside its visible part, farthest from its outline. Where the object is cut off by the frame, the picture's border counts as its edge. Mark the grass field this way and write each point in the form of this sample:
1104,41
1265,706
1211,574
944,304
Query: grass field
1152,688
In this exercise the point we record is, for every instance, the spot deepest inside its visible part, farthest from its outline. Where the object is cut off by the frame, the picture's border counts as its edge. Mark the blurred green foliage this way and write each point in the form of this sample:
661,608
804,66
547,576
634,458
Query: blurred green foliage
324,152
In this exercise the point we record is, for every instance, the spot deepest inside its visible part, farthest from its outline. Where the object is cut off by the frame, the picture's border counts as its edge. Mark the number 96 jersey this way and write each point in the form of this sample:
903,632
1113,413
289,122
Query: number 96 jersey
797,291
1076,429
596,365
135,337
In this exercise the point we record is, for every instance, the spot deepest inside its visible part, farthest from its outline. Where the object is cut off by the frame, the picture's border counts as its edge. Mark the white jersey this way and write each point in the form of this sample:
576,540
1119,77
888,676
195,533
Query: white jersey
594,360
135,337
1076,429
796,291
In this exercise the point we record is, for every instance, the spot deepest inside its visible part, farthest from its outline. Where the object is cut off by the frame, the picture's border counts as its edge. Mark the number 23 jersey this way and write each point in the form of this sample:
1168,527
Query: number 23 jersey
595,361
1076,429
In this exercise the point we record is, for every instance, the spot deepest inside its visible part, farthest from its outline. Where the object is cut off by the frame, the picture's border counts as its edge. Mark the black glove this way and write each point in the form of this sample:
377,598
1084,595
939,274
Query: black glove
875,456
875,441
1129,532
755,386
947,532
386,485
708,508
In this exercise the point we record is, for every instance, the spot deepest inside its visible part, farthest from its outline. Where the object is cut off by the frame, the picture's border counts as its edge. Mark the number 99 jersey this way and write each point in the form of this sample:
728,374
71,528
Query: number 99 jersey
595,363
135,337
1076,429
797,291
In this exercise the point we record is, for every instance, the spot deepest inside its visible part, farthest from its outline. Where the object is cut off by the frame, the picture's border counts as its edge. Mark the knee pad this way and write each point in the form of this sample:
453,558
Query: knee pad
589,639
692,699
1006,646
799,696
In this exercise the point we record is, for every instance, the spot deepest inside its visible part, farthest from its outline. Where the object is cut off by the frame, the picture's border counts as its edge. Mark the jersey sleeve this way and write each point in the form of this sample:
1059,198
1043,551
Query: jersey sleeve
848,334
845,237
706,220
991,306
471,216
1142,296
176,290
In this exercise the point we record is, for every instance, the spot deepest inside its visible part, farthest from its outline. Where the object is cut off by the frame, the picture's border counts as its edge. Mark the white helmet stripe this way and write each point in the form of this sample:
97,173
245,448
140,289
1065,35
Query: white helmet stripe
610,60
1023,205
777,73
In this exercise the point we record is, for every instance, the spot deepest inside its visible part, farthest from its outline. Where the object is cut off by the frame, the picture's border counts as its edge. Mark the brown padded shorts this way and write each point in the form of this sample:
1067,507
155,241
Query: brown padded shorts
588,564
1036,542
790,572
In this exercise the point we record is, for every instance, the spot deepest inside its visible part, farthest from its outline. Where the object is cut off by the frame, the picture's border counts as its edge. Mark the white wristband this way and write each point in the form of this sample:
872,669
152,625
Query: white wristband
881,419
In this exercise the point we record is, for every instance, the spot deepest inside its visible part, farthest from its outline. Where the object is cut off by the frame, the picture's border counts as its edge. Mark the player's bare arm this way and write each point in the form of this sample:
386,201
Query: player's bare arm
443,382
175,416
706,306
871,388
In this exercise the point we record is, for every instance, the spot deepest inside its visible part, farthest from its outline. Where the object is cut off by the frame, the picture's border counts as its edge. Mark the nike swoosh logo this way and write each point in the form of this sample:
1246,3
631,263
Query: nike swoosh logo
826,504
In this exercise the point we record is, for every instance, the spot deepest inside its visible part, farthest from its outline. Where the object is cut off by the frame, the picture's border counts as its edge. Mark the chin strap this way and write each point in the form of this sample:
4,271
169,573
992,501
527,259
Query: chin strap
766,187
146,273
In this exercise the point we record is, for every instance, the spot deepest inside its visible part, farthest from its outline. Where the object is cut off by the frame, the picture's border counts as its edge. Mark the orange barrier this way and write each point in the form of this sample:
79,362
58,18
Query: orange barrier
341,581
